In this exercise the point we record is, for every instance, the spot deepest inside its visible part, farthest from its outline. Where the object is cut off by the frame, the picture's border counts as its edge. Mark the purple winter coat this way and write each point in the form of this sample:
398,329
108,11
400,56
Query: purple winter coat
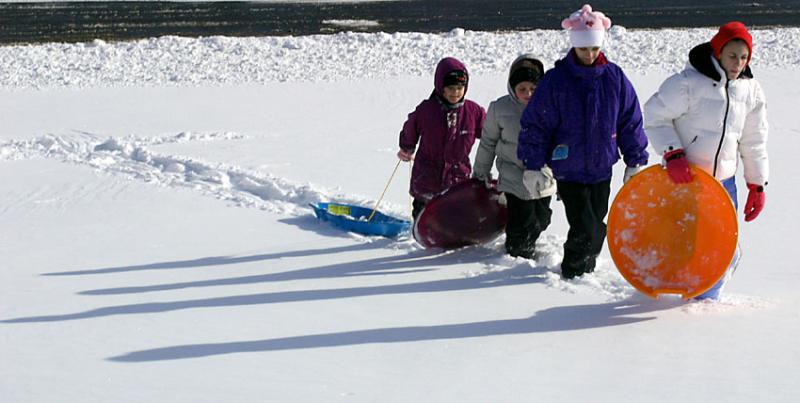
579,120
445,134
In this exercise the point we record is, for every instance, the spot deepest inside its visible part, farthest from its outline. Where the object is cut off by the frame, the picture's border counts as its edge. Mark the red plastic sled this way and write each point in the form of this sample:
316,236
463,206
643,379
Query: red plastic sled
466,214
672,239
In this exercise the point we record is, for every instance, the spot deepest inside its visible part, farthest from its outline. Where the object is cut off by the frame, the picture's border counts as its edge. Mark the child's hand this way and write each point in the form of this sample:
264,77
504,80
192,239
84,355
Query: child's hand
755,202
535,181
405,155
630,171
678,166
486,179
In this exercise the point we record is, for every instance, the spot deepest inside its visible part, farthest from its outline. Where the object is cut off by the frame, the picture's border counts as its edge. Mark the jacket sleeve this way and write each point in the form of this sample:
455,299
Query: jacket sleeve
670,102
484,158
631,140
409,135
538,124
481,123
753,144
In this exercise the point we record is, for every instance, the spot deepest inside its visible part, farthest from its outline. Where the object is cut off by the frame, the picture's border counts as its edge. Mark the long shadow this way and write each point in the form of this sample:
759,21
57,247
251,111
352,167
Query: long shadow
226,260
557,319
492,279
377,266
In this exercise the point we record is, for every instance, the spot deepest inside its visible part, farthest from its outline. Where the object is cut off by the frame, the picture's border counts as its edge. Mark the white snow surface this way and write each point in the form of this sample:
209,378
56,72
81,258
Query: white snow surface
156,242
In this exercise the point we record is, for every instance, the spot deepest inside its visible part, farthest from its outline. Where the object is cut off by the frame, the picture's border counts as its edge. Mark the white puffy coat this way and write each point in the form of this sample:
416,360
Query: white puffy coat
499,139
713,119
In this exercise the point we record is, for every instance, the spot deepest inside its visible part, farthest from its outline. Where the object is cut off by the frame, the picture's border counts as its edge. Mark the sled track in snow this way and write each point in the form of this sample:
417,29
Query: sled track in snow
133,158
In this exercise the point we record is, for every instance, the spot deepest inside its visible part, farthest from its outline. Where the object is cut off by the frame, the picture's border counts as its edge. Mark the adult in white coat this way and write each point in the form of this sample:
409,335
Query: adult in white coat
528,203
711,115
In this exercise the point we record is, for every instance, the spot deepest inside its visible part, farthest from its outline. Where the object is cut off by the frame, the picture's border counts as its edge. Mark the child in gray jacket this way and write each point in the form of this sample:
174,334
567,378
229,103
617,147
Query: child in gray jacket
528,208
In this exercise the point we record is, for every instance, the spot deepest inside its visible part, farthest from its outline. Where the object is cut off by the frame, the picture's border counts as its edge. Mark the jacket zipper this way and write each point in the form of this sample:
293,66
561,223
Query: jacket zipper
724,125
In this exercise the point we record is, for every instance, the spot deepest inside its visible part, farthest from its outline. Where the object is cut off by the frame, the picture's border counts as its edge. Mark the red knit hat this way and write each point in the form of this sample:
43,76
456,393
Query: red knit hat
728,32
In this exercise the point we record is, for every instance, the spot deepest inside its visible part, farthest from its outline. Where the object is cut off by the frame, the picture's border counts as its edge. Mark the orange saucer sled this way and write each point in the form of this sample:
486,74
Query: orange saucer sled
668,238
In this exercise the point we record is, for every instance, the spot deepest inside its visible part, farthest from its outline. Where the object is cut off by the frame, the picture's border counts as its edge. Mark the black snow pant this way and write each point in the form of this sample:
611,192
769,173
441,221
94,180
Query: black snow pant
526,221
586,206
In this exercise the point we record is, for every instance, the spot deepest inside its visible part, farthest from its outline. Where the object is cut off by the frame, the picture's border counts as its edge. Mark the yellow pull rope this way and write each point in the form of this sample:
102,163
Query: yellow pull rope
384,191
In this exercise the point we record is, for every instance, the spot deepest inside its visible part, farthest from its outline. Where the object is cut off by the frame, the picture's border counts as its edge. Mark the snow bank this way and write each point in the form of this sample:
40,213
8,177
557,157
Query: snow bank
182,61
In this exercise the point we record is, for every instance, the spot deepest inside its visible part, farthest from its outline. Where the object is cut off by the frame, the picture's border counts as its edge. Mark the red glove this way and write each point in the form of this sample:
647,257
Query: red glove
755,202
678,166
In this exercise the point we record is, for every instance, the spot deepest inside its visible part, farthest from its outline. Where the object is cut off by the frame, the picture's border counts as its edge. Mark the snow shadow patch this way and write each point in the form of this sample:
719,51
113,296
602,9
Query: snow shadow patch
377,266
557,319
401,264
221,260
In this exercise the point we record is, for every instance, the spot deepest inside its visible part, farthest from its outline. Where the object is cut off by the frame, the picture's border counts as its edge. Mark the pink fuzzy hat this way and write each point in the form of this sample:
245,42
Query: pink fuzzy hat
587,28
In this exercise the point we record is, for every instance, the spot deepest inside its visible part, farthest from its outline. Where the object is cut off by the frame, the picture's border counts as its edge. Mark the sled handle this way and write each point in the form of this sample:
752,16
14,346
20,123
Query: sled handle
384,191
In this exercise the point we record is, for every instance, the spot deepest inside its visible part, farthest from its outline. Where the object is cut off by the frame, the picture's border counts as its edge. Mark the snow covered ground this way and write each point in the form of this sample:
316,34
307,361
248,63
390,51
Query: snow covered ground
156,242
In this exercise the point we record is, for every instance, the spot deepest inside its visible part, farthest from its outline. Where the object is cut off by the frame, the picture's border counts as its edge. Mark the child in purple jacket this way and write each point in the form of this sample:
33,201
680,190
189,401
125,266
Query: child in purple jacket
583,114
445,125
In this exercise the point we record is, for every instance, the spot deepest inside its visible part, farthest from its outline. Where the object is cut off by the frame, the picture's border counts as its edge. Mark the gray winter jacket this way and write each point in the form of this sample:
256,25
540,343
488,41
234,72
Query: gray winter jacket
499,139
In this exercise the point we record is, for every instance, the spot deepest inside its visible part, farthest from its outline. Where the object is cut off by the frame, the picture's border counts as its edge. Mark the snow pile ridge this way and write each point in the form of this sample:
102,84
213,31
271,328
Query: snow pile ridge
218,60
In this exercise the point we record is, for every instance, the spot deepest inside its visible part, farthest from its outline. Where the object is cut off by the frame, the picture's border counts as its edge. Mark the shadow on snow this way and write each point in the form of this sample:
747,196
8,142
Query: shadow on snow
302,222
382,265
557,319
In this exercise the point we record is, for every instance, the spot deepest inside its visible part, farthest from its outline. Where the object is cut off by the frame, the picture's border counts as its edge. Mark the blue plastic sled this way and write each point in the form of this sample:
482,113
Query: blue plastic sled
354,218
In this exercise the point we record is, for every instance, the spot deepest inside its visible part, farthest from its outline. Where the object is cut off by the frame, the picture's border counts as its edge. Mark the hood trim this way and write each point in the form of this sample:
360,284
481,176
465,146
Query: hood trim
516,65
701,59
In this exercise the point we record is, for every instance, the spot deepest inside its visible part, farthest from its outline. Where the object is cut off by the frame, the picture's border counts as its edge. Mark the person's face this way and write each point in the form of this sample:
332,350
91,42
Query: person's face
587,56
524,91
454,93
733,58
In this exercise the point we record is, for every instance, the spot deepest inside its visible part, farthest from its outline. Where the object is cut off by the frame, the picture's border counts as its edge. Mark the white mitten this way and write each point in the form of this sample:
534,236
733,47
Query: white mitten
630,171
534,181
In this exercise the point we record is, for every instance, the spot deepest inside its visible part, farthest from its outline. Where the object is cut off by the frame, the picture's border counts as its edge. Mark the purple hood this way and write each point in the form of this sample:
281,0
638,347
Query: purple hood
445,66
